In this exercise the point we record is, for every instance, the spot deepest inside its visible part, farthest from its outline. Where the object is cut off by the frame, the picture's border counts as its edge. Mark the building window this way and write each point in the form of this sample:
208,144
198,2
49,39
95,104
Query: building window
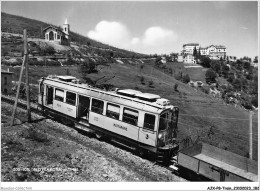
97,106
113,111
58,36
59,95
149,121
65,29
71,98
130,116
55,36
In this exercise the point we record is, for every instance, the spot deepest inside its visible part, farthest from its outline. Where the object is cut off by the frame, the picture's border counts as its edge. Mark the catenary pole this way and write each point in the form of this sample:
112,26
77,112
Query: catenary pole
20,79
250,136
27,76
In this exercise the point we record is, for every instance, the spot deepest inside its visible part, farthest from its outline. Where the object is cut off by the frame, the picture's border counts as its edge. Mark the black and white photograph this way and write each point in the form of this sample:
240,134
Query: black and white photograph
129,95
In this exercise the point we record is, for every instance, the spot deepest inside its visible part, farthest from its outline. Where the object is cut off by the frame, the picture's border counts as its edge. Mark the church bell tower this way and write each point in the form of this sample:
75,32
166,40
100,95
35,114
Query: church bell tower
66,28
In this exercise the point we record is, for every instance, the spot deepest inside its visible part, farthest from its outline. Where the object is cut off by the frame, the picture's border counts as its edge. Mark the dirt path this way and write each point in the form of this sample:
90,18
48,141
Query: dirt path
49,151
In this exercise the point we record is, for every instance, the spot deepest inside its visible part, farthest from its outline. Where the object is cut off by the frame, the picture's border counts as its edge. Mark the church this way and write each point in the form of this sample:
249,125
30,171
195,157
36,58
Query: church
55,34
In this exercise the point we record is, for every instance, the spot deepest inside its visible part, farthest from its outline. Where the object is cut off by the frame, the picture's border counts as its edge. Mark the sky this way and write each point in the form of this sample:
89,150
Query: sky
150,27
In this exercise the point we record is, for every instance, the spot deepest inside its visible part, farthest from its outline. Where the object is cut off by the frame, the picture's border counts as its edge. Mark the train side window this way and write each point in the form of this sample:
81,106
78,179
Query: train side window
97,106
149,121
130,116
71,98
113,111
59,95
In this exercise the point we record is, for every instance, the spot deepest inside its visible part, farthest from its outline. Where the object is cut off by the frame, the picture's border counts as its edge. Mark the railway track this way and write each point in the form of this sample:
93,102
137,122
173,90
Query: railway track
21,104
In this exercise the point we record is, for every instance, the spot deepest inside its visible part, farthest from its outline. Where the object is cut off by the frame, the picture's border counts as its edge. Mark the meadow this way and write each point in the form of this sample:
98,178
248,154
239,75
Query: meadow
202,117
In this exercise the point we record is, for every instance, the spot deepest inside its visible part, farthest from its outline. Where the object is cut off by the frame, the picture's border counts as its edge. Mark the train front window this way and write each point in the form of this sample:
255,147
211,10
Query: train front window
168,119
163,122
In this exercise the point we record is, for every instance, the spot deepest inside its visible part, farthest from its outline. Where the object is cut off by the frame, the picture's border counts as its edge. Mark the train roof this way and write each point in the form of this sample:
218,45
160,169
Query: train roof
129,97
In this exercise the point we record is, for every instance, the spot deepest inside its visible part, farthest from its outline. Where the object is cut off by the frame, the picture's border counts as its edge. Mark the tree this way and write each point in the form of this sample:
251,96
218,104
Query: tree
225,70
205,61
237,84
216,66
195,52
210,76
247,65
256,59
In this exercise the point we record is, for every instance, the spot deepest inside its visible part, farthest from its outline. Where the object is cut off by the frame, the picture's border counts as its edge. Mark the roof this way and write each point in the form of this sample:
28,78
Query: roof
220,46
191,44
148,96
6,72
51,26
56,28
113,96
66,77
217,46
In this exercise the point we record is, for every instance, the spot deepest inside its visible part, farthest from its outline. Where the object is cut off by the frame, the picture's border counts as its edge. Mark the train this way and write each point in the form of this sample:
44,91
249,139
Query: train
143,121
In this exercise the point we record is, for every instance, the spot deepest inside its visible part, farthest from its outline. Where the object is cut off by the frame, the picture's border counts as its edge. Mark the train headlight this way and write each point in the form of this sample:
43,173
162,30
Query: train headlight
160,136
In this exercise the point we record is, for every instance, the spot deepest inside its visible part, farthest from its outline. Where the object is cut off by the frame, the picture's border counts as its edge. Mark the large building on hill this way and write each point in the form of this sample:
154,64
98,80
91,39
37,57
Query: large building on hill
213,51
189,48
58,35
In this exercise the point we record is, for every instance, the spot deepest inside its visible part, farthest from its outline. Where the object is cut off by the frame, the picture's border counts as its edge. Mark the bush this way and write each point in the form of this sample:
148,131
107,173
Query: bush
210,76
178,76
186,78
142,80
151,84
176,87
205,89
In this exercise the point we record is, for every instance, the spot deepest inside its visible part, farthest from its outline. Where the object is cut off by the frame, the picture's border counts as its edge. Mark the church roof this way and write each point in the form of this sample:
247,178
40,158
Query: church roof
56,28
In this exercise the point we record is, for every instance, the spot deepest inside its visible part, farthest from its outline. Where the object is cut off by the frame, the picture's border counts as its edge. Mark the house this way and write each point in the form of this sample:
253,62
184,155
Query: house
6,81
55,34
215,52
189,48
189,59
231,58
196,84
180,58
163,60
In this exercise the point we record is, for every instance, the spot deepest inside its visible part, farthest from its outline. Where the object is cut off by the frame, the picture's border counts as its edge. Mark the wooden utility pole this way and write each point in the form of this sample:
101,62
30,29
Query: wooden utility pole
19,83
250,136
27,76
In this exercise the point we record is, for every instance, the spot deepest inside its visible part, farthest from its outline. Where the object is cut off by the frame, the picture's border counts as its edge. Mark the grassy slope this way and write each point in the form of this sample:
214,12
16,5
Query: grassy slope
230,134
227,133
16,24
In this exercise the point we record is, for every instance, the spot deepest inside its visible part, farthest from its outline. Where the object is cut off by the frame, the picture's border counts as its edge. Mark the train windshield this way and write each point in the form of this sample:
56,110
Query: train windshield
169,119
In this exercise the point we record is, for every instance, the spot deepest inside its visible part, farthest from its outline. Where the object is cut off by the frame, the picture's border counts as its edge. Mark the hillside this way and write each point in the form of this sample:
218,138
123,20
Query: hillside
202,116
16,24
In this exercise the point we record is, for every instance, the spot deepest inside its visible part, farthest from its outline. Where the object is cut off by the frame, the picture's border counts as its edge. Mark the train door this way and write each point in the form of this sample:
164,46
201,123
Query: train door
83,107
147,133
49,97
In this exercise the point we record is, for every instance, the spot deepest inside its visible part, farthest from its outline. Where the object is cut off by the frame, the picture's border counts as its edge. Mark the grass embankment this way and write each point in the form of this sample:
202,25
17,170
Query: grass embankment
223,125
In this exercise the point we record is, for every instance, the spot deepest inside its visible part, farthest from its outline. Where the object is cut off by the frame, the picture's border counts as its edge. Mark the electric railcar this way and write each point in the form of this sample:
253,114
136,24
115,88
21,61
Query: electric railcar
146,122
